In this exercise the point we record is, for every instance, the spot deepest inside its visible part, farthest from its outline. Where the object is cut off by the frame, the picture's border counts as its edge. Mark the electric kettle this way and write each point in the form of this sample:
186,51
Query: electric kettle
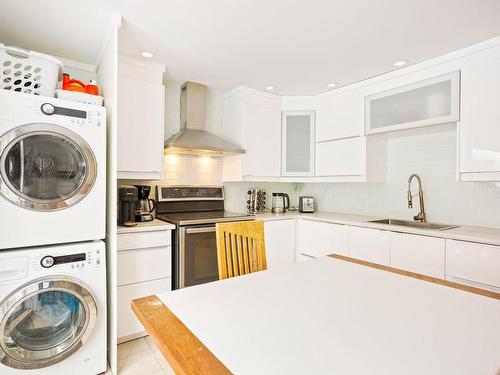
281,203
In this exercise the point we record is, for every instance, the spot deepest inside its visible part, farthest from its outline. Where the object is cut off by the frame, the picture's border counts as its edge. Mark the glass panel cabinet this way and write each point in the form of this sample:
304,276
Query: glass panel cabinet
428,102
297,143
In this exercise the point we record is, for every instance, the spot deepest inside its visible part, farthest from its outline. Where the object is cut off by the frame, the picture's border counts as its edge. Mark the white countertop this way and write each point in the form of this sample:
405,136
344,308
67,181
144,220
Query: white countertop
147,226
464,232
329,316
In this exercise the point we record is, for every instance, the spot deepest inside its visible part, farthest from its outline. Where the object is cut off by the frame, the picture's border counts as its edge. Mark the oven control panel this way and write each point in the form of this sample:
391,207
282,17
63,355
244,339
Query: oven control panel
186,193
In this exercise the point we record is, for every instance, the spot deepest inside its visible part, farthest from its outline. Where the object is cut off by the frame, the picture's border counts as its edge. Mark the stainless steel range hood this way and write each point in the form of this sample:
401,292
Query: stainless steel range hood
193,138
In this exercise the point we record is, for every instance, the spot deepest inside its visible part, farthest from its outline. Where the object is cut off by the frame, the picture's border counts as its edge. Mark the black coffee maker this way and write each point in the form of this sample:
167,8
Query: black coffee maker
145,206
127,196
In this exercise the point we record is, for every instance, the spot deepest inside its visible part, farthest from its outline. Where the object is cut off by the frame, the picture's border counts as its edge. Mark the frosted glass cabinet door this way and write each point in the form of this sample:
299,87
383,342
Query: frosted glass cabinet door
429,102
297,143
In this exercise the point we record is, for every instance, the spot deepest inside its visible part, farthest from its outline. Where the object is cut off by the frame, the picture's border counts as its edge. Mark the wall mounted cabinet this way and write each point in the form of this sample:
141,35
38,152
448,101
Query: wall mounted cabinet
297,143
479,127
358,159
140,120
253,120
428,102
340,116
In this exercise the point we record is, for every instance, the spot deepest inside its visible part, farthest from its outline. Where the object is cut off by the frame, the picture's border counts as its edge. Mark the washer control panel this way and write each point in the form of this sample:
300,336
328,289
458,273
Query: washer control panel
76,261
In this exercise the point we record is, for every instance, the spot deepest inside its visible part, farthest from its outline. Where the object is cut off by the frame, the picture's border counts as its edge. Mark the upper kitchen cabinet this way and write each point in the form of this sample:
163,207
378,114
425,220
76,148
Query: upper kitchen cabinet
427,102
297,143
340,116
253,119
479,127
140,119
357,159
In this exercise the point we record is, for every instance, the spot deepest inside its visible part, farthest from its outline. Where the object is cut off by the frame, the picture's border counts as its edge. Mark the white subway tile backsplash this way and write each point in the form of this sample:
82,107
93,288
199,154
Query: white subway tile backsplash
430,152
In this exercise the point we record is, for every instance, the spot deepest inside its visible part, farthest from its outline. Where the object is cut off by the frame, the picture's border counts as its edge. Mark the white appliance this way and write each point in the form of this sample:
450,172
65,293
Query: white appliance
53,310
52,171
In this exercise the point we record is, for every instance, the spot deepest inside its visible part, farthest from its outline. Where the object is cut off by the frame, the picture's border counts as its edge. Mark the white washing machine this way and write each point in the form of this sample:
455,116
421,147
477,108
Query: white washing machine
53,310
52,171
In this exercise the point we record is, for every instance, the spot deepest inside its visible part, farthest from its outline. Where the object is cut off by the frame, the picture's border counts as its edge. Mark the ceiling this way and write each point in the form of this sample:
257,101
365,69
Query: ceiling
298,46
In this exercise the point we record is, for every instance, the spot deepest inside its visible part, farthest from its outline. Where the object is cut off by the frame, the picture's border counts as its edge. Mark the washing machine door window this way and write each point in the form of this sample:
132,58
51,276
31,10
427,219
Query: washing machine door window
45,167
45,322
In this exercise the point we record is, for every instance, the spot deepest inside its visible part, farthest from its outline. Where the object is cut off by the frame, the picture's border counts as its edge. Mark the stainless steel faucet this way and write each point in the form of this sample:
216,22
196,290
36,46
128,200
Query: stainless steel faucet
421,215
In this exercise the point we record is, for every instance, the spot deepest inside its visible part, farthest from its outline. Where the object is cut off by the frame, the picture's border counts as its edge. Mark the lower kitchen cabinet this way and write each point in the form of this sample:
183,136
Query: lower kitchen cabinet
372,245
128,326
420,254
316,238
280,242
473,263
144,267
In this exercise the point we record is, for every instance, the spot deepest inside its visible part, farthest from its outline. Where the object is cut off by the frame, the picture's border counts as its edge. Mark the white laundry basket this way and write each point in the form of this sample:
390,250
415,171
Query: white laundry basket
28,71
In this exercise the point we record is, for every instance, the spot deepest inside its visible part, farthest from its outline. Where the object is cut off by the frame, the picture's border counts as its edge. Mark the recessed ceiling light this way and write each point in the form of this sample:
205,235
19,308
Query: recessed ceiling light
400,63
331,85
270,87
146,54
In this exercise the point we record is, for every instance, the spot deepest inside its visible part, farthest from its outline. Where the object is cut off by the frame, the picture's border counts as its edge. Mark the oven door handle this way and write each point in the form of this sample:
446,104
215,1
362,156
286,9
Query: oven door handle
200,230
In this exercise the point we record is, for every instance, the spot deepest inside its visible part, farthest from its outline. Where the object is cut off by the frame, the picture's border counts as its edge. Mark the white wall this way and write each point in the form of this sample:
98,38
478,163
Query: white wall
430,152
107,75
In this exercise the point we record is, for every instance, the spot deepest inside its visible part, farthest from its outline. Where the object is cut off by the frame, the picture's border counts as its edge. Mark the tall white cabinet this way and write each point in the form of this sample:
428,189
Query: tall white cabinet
140,119
479,127
252,119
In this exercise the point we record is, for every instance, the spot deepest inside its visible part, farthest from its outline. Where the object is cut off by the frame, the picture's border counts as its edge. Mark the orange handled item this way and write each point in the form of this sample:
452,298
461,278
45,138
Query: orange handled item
71,84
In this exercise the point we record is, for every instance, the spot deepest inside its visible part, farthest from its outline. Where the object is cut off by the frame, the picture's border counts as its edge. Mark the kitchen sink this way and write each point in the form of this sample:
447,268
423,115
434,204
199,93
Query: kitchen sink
414,224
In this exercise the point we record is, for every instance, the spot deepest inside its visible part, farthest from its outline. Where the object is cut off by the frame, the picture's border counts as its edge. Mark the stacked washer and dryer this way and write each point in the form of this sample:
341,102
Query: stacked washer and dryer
52,222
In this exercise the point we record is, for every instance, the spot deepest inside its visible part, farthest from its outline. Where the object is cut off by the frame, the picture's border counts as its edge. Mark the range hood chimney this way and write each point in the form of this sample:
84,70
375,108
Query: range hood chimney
193,138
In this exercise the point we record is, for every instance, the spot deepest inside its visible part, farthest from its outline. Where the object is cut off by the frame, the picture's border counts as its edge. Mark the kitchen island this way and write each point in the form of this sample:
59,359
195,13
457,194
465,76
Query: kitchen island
333,315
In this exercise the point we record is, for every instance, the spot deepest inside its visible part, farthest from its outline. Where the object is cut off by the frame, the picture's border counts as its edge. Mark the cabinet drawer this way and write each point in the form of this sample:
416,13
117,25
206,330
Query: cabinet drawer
420,254
141,240
144,264
372,245
128,325
474,262
315,238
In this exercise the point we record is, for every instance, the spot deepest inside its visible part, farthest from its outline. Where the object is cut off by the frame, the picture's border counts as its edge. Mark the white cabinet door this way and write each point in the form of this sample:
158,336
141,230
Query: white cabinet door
261,139
369,244
316,238
420,254
297,143
473,263
340,116
144,264
344,157
280,242
140,129
479,127
128,325
432,101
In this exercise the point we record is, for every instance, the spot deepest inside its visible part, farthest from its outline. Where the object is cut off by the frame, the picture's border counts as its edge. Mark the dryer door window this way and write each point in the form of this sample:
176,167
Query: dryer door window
45,322
45,167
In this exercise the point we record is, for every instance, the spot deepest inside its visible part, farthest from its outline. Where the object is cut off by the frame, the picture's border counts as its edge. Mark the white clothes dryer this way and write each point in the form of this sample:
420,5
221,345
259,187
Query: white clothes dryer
53,310
52,171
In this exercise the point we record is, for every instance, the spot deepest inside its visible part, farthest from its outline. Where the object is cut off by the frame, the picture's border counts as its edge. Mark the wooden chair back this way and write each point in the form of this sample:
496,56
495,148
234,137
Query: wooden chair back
240,248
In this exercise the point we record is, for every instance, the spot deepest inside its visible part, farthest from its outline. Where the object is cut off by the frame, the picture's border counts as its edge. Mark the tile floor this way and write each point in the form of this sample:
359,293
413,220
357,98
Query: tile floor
142,357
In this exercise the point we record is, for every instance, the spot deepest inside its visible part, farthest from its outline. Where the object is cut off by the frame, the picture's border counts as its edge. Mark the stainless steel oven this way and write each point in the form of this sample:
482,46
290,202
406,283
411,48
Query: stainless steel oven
197,255
194,210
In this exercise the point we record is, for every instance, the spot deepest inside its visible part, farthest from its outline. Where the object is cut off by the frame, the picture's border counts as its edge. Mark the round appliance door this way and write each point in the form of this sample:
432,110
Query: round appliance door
45,322
45,167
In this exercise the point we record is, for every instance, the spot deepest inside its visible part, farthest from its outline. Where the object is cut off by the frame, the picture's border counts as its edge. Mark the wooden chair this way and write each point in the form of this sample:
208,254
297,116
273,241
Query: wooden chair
240,248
